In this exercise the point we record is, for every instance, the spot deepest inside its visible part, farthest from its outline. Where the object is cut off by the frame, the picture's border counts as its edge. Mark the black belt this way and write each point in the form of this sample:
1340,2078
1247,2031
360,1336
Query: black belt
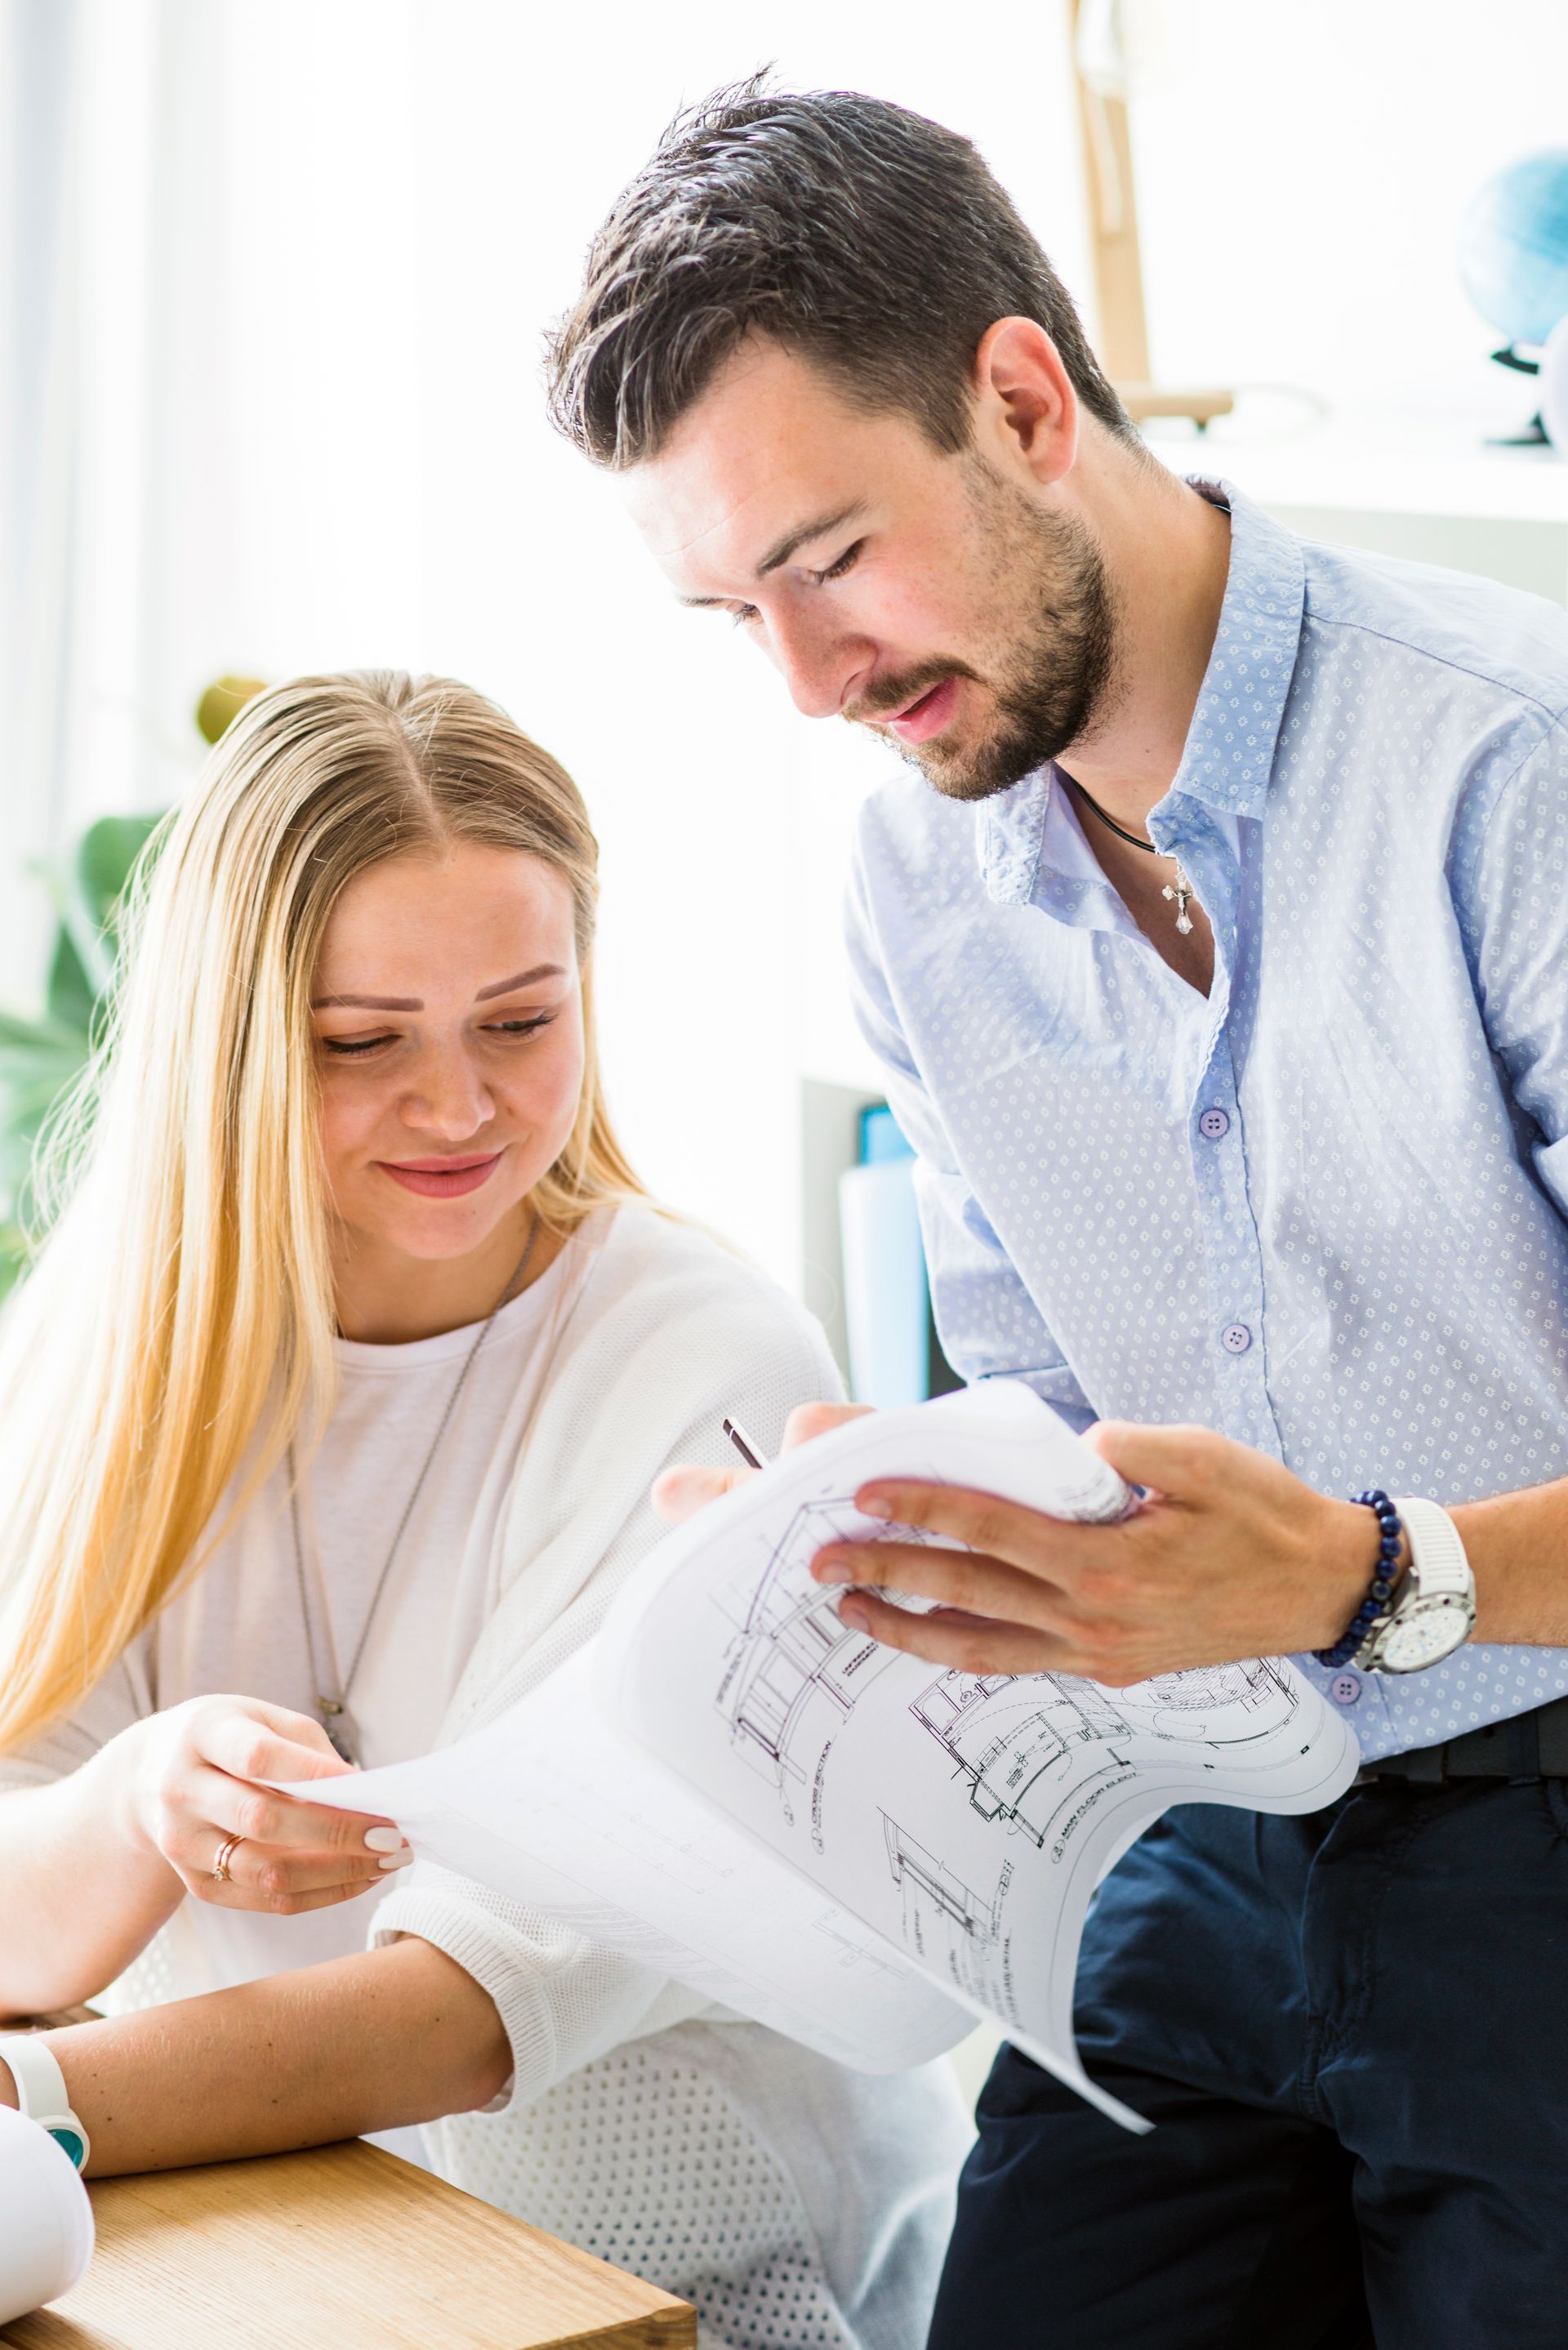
1532,1746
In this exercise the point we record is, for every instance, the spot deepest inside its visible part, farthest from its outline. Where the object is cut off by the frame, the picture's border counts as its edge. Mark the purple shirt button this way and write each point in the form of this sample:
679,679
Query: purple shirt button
1236,1338
1214,1124
1344,1688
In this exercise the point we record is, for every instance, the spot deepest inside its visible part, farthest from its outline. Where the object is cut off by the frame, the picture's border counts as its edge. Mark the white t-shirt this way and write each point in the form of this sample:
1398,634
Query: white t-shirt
239,1626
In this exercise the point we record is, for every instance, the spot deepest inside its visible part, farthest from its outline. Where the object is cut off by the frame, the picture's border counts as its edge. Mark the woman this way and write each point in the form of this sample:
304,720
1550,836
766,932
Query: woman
341,1382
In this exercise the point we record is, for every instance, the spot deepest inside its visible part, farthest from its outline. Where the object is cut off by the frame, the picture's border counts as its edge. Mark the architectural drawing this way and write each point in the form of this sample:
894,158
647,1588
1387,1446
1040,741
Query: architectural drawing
1020,1741
1255,1699
952,1930
792,1671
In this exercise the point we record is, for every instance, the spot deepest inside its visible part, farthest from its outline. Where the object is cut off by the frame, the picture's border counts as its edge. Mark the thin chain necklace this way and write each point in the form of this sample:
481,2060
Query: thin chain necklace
333,1710
1181,891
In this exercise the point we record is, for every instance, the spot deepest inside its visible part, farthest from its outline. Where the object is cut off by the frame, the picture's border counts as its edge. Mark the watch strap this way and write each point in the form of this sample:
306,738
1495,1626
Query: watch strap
41,2091
1438,1566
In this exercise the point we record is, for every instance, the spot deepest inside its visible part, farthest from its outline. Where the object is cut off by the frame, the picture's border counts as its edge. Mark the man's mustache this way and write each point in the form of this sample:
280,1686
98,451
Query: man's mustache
896,694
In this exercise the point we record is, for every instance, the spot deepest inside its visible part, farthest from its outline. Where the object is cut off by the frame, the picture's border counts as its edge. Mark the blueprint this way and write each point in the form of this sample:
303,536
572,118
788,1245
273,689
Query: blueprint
966,1818
733,1787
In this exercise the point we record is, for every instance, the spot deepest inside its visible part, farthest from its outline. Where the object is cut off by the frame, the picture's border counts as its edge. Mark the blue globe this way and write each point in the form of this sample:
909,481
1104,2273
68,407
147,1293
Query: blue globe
1513,248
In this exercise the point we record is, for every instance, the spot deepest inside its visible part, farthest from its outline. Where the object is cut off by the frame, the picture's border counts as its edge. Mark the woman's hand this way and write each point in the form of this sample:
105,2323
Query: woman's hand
183,1783
690,1486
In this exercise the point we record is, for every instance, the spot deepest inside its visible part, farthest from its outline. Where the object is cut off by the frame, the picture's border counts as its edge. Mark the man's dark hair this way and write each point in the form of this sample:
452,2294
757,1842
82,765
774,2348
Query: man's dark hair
872,242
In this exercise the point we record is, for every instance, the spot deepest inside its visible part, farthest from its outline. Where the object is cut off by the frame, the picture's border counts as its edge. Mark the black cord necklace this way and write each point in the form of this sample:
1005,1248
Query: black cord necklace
1181,891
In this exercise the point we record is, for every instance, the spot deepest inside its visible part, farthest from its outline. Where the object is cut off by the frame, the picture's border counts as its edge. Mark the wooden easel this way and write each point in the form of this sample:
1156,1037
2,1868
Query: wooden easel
1122,343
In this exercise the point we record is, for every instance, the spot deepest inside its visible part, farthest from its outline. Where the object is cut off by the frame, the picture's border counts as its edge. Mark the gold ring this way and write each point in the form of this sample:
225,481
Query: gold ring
226,1852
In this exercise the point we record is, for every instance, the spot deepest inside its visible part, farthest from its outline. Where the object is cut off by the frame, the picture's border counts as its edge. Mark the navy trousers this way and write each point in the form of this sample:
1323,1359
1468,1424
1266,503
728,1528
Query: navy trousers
1350,2033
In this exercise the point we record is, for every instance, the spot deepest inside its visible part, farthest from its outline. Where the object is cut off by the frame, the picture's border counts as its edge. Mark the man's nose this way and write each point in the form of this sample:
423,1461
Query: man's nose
818,666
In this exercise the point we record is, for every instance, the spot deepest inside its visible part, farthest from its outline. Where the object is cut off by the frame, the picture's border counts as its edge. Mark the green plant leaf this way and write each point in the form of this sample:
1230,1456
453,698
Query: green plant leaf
107,852
38,1058
69,994
14,1255
101,867
88,892
31,1036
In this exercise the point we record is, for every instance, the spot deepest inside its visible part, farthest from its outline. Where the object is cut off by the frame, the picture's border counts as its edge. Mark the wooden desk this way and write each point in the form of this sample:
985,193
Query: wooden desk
346,2246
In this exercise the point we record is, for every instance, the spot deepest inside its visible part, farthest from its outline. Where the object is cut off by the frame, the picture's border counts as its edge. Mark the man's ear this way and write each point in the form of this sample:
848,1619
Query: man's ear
1027,409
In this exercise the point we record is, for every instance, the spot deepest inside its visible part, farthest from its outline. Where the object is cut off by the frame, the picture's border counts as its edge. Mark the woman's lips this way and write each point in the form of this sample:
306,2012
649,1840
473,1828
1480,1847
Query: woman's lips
928,716
440,1179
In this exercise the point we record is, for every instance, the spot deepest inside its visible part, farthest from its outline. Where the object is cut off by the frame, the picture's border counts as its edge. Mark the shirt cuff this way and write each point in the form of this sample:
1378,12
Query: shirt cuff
562,2000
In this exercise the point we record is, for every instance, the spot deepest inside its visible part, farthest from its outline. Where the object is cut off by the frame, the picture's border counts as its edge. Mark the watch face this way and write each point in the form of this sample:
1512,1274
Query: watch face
1423,1635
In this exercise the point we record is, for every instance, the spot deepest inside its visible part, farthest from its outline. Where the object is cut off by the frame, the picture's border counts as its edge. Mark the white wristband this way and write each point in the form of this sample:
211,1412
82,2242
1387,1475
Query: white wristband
41,2091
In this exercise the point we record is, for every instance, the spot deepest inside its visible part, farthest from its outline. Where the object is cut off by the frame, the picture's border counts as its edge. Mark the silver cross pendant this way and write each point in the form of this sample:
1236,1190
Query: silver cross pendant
1180,892
338,1728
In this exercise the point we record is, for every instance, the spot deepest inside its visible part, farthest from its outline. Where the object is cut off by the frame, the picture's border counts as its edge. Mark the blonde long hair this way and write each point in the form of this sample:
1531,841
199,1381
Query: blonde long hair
179,1315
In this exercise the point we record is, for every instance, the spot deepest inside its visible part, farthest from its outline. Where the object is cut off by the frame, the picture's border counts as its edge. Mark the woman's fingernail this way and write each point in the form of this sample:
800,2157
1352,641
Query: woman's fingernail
874,1505
383,1840
832,1570
397,1861
852,1611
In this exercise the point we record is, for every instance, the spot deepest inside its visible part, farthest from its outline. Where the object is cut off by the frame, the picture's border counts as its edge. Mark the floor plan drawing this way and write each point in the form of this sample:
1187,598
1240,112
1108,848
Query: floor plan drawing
951,1929
792,1671
1019,1741
1223,1705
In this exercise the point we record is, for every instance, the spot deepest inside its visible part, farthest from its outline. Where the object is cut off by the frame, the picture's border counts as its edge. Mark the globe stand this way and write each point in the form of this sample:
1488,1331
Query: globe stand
1534,434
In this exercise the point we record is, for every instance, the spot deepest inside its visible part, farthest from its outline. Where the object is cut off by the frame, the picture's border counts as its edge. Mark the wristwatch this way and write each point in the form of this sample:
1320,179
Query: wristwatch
1433,1611
41,2091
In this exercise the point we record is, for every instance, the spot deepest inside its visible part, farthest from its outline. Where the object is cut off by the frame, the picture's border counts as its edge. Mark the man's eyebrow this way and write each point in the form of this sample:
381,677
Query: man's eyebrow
416,1004
794,539
781,549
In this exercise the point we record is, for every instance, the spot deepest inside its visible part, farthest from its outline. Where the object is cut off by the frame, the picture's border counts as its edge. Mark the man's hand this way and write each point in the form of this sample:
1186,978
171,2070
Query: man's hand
1231,1556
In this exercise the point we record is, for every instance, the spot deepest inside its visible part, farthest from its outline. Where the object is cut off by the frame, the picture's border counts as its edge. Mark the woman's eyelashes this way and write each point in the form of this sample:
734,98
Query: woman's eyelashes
508,1032
527,1024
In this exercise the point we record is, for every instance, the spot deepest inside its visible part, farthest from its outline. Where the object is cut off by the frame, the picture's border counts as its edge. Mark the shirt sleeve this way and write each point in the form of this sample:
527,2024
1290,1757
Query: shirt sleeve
1511,888
989,1325
562,1999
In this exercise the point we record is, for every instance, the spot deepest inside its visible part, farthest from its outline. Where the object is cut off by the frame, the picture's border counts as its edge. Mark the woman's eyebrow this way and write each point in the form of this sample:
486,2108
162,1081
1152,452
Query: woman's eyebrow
416,1004
521,979
368,1002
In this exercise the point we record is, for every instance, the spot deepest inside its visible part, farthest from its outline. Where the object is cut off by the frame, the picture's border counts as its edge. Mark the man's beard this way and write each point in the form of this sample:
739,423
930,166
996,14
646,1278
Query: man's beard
1049,683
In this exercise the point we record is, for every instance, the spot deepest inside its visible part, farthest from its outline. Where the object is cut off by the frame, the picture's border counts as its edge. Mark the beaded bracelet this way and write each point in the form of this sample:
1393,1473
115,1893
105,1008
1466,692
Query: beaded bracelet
1385,1576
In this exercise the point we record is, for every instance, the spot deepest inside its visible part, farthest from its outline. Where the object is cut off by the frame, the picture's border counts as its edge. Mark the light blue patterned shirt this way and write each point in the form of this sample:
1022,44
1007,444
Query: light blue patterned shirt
1323,1209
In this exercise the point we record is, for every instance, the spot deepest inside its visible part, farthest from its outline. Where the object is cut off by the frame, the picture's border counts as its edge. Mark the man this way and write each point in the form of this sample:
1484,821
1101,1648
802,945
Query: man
1220,983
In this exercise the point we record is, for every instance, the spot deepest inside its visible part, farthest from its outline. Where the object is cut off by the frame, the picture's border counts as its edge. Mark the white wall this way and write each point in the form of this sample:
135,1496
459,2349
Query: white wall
1302,173
316,243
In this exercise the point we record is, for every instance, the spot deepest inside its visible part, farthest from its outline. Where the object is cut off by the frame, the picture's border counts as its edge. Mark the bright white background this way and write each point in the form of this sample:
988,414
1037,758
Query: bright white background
273,292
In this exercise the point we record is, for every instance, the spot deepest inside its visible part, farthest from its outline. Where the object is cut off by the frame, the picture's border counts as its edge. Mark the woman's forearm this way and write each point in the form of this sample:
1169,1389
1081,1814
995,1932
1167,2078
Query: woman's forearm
81,1896
389,2036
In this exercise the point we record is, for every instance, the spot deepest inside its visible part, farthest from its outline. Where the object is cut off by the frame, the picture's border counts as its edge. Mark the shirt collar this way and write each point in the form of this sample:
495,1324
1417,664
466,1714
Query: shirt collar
1025,846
